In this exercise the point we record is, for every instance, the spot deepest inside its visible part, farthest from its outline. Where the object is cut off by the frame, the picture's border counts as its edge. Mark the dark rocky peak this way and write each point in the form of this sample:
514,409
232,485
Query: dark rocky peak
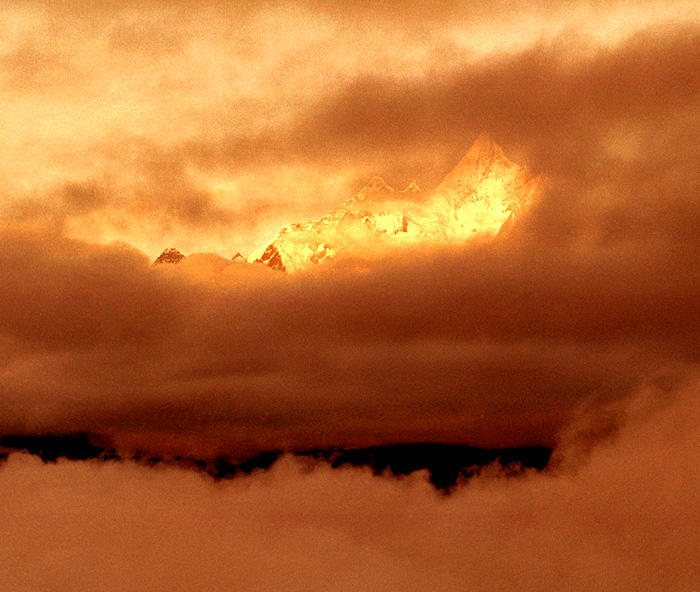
272,258
169,256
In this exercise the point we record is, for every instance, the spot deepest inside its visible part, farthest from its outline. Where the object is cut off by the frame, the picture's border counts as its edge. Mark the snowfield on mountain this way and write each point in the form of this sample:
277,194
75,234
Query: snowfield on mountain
483,192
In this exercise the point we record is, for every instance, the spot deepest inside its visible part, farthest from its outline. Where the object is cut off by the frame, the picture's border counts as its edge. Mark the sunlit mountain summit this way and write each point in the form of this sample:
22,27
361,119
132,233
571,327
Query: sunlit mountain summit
483,192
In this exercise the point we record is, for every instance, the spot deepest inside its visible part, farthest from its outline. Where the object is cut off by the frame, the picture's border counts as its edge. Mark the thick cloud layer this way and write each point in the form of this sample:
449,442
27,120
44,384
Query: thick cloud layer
495,344
210,127
626,520
133,127
592,294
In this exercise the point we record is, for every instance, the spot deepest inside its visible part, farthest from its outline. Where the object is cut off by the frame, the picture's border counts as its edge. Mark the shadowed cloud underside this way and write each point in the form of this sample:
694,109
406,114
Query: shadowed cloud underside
130,127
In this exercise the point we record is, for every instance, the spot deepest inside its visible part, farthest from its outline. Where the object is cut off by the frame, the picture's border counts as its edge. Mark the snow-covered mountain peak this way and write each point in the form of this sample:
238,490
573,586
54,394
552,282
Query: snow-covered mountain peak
484,161
376,189
412,188
476,198
485,147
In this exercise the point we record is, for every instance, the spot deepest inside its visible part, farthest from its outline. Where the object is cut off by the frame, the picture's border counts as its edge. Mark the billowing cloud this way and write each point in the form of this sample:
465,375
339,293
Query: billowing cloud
210,128
133,127
626,520
492,344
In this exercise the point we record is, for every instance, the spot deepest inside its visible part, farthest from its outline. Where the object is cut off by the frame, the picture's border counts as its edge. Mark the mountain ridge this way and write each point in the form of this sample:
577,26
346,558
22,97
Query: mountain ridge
480,197
483,192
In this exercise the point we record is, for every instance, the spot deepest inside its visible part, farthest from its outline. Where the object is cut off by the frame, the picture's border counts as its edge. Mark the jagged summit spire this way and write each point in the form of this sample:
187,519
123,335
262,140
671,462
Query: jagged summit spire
484,159
484,142
483,148
169,256
375,185
412,188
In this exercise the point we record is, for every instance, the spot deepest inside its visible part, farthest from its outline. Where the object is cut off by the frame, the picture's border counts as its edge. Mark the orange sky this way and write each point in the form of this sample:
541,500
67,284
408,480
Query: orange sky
210,127
134,126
